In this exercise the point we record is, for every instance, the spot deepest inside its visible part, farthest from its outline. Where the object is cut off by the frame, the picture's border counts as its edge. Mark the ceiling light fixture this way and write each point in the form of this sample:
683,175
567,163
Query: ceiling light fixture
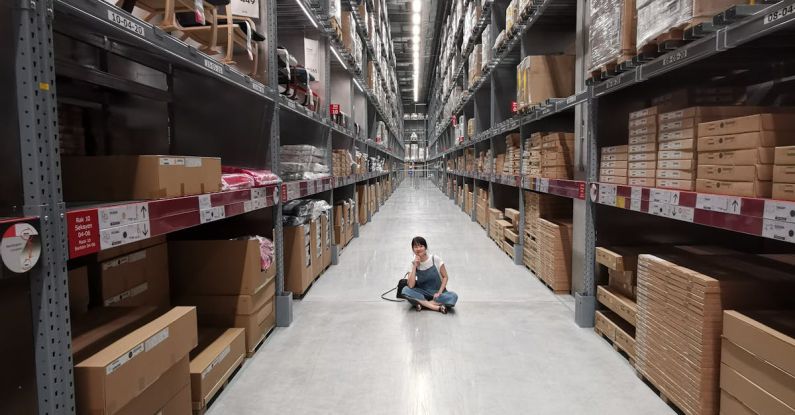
338,58
306,12
415,18
415,30
417,5
355,81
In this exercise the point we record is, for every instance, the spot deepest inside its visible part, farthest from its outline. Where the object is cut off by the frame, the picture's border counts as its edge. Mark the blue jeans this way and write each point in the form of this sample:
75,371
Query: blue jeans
447,298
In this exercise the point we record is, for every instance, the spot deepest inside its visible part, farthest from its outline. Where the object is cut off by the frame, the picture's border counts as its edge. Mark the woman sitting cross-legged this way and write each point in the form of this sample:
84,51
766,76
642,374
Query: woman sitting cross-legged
427,280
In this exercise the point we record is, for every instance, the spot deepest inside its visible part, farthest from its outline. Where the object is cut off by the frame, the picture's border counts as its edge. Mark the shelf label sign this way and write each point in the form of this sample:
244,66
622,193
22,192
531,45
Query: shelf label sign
780,211
126,23
780,231
212,214
607,194
20,247
247,8
83,230
715,203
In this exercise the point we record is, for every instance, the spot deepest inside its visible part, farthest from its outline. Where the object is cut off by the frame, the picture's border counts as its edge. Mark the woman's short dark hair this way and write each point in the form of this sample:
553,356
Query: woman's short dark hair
419,241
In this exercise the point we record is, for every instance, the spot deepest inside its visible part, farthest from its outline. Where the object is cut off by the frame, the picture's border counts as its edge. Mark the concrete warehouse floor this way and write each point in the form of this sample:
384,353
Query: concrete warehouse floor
510,346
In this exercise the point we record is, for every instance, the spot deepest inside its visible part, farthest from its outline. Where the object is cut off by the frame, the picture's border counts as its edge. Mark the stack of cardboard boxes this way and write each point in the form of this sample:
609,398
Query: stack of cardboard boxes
531,156
513,155
557,156
363,203
482,206
642,148
471,131
757,370
540,77
475,63
678,337
499,163
494,230
510,233
754,138
784,173
341,163
538,206
554,253
613,166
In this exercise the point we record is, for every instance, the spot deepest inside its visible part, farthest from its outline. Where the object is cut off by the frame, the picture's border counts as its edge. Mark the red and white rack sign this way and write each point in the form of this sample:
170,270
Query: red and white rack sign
91,230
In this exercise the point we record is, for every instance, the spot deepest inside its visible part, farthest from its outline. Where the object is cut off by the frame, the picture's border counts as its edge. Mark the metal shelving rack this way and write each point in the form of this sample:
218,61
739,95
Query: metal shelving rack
31,160
744,33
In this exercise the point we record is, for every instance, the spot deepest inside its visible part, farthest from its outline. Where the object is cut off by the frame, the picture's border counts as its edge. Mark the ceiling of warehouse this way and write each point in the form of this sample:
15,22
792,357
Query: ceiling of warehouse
400,12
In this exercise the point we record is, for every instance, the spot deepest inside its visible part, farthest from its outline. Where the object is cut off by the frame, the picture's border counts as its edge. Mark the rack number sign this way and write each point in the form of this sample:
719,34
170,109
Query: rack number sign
780,13
126,23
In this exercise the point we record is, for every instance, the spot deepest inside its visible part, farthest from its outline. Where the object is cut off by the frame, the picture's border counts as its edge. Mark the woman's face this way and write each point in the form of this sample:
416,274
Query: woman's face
419,250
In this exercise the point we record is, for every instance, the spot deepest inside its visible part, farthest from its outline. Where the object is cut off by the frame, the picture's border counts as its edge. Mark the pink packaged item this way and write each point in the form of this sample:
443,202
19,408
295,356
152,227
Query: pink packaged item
261,177
236,181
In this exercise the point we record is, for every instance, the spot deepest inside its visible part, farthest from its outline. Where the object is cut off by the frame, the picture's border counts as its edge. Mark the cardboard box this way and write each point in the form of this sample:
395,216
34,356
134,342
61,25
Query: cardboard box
759,172
129,248
327,242
117,178
675,184
683,134
768,377
648,121
512,215
743,141
767,334
785,156
78,290
783,191
676,174
614,165
219,353
602,323
197,267
729,405
745,189
100,326
113,377
257,324
687,165
675,155
750,394
136,279
750,123
643,113
784,174
614,157
641,181
179,404
316,246
231,304
678,145
678,124
645,130
642,148
642,165
652,156
643,173
615,149
549,76
156,398
762,155
613,179
298,271
711,113
613,172
643,139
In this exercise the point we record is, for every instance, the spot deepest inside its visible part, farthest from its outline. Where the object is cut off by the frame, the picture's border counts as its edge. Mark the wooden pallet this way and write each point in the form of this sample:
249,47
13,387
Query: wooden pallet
197,410
617,347
303,294
668,40
611,68
261,341
554,291
659,392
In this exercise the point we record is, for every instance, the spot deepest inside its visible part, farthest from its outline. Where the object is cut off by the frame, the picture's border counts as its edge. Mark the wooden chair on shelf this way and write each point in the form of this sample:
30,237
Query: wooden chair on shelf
169,9
232,31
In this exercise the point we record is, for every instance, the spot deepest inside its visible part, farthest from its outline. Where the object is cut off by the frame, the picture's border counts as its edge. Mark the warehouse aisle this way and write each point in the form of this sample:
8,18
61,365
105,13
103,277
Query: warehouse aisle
511,346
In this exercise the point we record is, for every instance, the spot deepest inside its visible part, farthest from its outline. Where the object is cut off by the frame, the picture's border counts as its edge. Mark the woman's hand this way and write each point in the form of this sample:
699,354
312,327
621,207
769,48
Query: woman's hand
436,295
416,261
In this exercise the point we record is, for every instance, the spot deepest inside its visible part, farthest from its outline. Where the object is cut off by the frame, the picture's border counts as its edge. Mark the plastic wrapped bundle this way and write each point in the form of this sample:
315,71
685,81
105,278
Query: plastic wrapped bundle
612,31
487,43
656,17
266,250
288,220
261,177
236,181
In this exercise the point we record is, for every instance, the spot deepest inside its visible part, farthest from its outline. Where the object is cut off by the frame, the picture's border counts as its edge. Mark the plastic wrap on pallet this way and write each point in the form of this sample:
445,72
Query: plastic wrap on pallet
658,16
335,9
236,181
487,46
605,31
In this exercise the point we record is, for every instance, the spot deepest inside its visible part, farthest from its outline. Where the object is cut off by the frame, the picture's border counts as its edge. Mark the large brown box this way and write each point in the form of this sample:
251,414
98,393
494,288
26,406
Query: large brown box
157,398
742,141
650,156
744,189
297,259
550,76
729,405
783,191
257,324
614,157
101,326
750,123
784,174
325,234
676,174
316,246
688,165
231,304
750,394
767,334
136,279
218,267
613,179
117,178
760,155
771,379
705,114
759,172
113,377
785,156
213,361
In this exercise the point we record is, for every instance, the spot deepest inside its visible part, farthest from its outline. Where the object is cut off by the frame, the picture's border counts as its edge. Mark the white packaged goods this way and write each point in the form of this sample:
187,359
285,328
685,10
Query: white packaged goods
656,17
612,30
302,162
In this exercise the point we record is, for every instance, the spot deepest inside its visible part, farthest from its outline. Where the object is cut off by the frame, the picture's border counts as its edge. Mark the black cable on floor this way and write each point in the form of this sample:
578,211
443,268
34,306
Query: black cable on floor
390,299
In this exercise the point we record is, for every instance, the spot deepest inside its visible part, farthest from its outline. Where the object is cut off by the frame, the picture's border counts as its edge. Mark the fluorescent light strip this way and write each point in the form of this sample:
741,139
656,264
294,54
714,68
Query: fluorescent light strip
355,81
301,5
338,58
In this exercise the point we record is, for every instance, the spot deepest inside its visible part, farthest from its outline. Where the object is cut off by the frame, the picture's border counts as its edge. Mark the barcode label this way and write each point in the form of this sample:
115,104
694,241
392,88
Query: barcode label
126,23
